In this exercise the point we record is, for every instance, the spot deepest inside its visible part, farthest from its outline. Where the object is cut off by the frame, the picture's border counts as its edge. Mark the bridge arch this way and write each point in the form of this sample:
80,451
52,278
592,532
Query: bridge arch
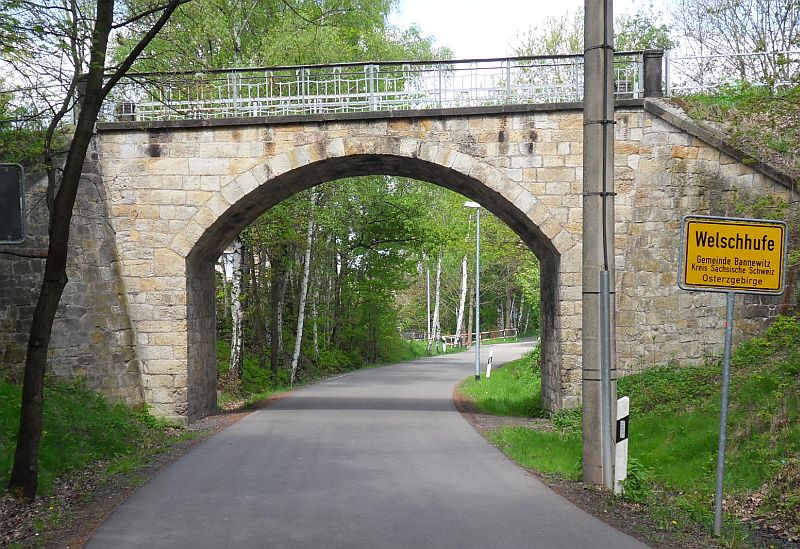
179,192
245,197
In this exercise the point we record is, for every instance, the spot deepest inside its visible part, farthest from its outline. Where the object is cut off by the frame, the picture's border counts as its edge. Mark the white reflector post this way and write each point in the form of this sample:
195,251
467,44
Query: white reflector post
489,364
621,457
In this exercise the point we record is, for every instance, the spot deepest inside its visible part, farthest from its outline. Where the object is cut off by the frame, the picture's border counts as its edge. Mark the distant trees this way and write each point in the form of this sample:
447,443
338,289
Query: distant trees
215,34
338,275
715,27
563,35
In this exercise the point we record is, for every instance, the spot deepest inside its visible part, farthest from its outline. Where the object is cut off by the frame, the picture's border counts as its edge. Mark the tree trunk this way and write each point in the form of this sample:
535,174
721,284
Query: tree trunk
462,300
23,480
24,475
301,312
314,327
428,306
470,311
527,319
258,313
277,289
339,268
435,327
226,301
237,314
500,316
509,309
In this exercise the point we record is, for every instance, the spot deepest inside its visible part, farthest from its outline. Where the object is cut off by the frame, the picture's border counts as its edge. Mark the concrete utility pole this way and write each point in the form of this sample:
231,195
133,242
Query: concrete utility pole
598,341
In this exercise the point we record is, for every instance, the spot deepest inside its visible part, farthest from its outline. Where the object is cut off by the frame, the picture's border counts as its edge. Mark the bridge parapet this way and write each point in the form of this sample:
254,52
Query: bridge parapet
367,87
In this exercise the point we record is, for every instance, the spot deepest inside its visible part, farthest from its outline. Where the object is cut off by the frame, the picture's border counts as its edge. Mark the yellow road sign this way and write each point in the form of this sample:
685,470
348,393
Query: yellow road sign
725,254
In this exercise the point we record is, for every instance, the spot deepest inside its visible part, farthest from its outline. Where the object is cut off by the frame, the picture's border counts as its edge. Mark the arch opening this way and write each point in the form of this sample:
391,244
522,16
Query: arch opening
200,262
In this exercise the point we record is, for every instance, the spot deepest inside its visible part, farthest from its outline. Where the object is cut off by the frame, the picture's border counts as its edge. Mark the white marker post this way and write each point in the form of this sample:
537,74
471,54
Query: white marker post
489,365
621,456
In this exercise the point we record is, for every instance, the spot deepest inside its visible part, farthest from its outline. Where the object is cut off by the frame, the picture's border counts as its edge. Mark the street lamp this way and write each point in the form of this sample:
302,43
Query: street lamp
470,204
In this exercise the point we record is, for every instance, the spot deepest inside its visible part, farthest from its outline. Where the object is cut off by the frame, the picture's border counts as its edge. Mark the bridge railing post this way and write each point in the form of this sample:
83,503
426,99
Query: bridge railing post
371,76
440,90
508,81
653,84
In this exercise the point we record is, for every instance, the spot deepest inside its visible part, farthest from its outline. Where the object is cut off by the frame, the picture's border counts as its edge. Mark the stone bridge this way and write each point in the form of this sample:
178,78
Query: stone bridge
162,200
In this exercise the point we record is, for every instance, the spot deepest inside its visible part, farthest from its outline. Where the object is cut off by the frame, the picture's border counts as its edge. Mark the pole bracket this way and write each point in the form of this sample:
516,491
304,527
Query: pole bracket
599,47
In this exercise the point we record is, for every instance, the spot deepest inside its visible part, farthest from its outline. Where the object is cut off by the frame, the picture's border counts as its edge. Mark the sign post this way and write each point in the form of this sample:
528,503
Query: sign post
731,255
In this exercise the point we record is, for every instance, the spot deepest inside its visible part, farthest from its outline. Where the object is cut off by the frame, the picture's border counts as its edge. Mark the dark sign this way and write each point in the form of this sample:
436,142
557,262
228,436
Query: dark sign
622,429
11,204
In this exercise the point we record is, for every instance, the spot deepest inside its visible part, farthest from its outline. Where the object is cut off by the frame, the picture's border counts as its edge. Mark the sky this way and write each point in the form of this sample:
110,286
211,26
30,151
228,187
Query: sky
487,28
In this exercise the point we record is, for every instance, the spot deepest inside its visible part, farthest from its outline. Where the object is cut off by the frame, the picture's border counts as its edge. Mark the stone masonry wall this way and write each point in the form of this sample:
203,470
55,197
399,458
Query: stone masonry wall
92,336
137,318
663,173
178,195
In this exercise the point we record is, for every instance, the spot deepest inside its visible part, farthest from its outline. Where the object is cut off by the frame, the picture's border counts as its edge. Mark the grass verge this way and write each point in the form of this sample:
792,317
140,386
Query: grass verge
762,121
513,390
673,439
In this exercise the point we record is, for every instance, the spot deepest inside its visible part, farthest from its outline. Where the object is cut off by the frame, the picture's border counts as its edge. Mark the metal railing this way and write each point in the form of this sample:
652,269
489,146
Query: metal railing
693,74
361,87
464,339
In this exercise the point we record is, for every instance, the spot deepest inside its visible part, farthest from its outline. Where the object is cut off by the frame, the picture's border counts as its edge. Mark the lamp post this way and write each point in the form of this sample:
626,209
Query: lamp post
470,204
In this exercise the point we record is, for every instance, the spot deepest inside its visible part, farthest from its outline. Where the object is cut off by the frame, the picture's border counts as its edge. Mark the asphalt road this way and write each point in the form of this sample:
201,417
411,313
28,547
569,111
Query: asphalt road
375,459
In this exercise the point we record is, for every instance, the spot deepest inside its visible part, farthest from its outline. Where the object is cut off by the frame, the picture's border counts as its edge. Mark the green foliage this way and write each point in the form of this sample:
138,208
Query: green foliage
335,361
515,389
234,33
637,485
80,427
556,36
667,389
674,430
21,142
641,31
568,422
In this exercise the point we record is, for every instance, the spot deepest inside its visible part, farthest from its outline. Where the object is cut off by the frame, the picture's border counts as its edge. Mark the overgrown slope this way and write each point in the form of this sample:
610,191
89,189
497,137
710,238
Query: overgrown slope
763,122
673,438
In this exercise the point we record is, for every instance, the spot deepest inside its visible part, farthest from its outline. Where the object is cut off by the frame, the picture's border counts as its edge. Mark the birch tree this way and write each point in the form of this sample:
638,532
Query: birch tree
237,313
301,315
461,301
436,328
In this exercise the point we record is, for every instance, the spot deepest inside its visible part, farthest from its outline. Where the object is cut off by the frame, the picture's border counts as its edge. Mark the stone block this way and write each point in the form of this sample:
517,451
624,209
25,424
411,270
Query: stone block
168,263
561,175
165,166
680,151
